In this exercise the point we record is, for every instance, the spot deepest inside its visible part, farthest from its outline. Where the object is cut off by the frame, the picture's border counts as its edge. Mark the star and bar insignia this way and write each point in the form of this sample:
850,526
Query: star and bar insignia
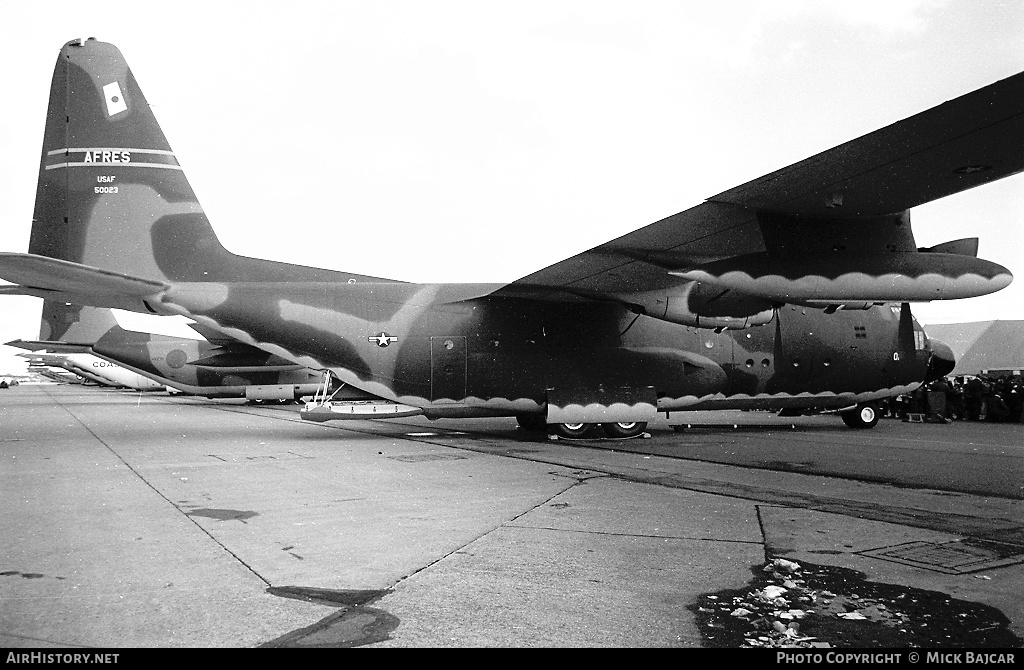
383,339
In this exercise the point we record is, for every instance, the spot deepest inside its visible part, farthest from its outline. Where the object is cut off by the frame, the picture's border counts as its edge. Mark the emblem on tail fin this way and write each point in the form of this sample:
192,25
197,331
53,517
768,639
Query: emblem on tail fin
114,99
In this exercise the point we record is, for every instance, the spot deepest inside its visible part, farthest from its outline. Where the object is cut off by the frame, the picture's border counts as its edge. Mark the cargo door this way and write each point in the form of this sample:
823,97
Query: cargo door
798,347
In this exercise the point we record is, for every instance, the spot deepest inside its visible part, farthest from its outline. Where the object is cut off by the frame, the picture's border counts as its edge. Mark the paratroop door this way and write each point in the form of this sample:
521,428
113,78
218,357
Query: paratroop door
448,367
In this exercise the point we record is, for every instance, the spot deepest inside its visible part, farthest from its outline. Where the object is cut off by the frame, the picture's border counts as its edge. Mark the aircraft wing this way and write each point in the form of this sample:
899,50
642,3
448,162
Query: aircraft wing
845,207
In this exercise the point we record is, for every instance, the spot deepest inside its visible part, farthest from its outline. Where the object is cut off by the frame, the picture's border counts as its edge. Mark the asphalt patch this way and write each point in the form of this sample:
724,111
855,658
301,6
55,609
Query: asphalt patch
958,557
815,606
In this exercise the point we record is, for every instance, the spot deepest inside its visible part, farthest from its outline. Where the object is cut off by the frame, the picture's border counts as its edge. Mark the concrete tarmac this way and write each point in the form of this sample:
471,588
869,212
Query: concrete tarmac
139,520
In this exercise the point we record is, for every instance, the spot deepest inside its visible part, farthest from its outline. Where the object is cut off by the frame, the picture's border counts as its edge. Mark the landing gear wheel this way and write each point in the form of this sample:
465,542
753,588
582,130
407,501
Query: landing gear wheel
571,430
864,416
624,428
534,423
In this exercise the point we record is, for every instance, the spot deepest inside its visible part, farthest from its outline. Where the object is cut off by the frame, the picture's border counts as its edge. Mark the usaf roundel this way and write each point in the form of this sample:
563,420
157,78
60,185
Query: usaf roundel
383,339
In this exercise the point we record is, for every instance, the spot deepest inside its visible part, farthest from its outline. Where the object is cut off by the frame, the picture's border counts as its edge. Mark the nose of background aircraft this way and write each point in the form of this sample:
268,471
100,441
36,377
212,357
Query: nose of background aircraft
942,362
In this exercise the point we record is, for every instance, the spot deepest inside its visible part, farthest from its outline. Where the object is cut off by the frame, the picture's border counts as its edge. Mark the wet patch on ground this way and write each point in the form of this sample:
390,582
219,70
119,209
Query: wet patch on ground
426,458
354,625
806,605
23,575
787,466
223,514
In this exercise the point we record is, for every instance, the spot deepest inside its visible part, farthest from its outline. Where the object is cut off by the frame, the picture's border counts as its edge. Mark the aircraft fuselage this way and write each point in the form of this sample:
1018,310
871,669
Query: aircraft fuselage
457,350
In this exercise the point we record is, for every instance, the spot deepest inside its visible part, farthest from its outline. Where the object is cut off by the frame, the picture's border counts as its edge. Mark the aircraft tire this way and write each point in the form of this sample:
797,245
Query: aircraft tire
864,416
624,428
570,430
534,423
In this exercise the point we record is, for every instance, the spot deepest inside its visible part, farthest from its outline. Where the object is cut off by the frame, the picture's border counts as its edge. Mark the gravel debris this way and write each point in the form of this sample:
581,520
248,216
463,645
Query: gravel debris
791,605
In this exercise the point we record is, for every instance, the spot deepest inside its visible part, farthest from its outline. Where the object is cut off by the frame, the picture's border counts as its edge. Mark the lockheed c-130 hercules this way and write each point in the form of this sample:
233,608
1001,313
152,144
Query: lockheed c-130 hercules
790,292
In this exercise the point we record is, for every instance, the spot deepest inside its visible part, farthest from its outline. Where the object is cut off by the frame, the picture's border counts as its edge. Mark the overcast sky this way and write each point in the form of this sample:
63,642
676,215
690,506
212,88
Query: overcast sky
481,141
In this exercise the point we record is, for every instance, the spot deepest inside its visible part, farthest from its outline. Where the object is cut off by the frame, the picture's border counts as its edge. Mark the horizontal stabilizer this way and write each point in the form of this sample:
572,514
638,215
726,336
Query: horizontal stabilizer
127,303
14,289
52,346
53,274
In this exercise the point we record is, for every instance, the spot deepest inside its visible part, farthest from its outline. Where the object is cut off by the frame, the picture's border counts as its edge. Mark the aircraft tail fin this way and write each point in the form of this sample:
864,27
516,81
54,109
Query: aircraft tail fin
64,322
68,328
111,194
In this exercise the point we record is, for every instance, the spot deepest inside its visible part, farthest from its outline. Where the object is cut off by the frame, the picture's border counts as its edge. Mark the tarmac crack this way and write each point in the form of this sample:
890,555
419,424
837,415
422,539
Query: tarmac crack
157,491
508,523
647,536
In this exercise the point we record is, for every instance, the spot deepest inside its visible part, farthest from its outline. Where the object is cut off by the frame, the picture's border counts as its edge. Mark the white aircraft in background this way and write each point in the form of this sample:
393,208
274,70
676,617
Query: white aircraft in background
96,369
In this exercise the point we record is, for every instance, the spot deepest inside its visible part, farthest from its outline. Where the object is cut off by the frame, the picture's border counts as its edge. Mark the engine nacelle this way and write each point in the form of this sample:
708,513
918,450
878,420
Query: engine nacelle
854,276
702,306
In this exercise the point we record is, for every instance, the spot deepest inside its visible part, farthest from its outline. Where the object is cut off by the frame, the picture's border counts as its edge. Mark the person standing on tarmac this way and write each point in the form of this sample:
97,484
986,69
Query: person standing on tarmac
938,400
974,396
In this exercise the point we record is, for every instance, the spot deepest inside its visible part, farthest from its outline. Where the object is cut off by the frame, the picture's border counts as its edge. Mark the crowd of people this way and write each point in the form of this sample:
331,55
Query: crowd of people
966,398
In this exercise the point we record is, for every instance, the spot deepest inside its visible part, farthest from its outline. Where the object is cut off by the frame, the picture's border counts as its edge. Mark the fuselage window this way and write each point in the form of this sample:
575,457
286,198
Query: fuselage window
919,340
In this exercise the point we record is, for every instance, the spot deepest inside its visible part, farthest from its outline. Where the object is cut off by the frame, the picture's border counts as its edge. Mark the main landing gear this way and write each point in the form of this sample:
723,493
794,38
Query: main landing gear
578,431
864,415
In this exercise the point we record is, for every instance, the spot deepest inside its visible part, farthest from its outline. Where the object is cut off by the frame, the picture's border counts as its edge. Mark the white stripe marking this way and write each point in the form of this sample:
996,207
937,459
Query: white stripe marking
132,164
161,152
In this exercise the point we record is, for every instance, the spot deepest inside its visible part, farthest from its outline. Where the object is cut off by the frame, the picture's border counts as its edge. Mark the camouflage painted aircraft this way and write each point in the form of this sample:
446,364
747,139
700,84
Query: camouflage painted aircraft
790,292
224,368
